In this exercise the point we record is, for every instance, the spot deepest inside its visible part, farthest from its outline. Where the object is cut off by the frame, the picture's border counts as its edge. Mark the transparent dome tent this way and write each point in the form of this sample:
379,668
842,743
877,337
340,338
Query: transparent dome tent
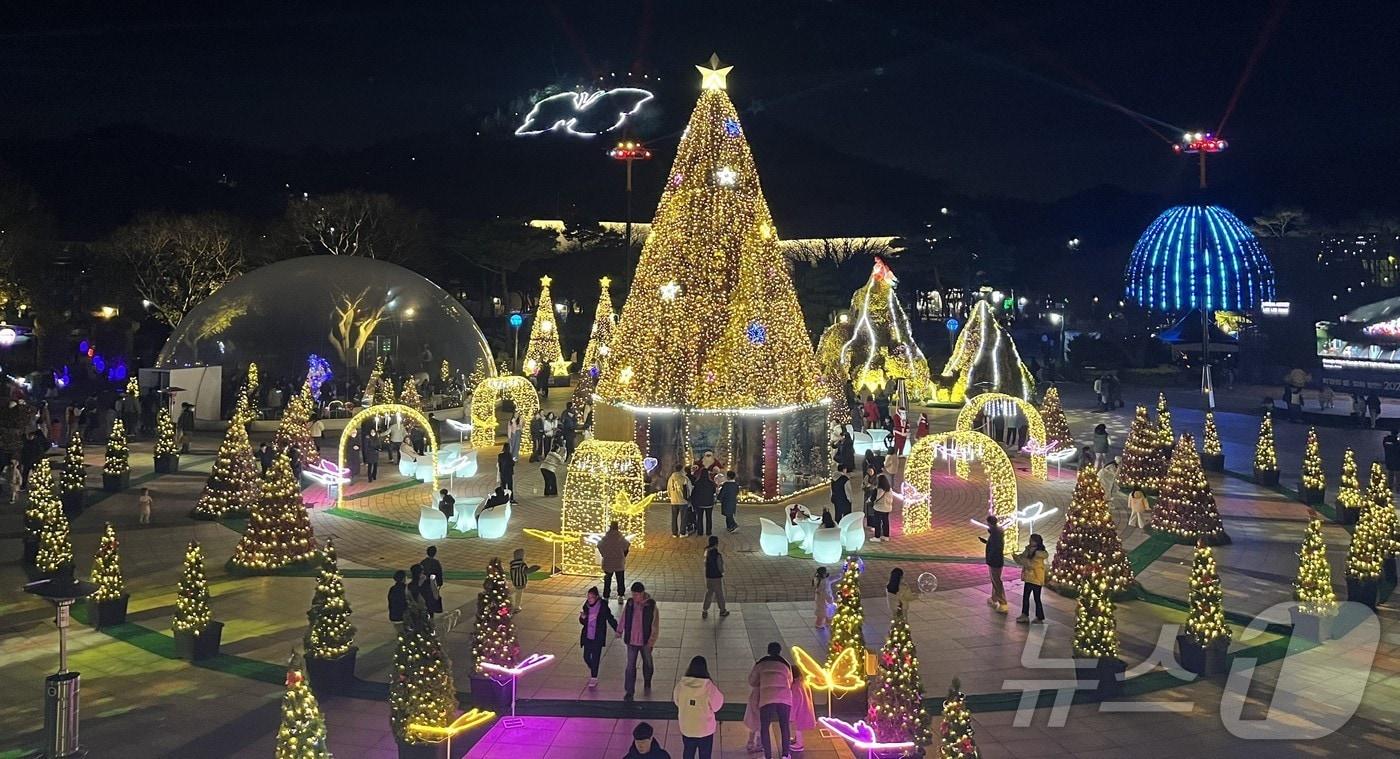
346,309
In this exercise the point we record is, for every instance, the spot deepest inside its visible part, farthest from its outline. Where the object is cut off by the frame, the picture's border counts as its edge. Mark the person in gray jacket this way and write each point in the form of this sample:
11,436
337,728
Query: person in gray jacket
771,679
613,548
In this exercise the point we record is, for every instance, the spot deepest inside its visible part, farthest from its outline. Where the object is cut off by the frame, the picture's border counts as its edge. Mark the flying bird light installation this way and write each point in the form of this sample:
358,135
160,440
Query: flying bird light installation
584,114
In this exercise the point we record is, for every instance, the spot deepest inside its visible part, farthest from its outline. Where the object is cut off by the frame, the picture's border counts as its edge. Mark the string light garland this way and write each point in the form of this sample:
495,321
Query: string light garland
165,434
279,531
118,458
1349,494
1005,405
232,488
1312,588
74,479
600,472
487,394
192,612
1205,599
493,634
710,268
1095,627
107,567
1199,257
896,708
302,733
1089,544
1186,509
1314,478
1142,465
421,690
848,622
330,634
955,730
543,352
985,359
1265,455
877,346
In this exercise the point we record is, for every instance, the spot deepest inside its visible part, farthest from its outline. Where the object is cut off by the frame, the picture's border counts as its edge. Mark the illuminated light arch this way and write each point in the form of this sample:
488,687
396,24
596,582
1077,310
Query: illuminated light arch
484,399
353,426
1001,479
1037,426
600,471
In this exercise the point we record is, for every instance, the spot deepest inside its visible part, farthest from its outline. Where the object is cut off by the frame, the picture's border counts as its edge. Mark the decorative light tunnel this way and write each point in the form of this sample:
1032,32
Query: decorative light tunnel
1199,257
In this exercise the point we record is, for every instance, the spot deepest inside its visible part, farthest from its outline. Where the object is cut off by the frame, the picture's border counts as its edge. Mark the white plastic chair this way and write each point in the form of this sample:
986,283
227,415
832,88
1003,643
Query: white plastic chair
491,525
826,545
423,471
771,538
432,524
852,527
466,514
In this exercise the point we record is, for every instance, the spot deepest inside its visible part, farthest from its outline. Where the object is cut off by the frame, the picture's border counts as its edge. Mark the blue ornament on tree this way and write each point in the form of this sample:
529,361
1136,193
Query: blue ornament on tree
757,333
732,128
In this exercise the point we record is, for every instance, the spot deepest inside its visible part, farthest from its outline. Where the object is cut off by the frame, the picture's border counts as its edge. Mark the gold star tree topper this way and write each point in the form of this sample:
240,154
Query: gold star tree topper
713,77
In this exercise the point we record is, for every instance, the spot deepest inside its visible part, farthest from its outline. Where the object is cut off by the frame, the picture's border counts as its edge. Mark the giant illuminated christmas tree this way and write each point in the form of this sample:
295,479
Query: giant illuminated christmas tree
712,327
849,620
279,531
896,706
421,691
233,484
493,638
1088,540
1142,465
875,346
544,353
712,321
1186,509
985,360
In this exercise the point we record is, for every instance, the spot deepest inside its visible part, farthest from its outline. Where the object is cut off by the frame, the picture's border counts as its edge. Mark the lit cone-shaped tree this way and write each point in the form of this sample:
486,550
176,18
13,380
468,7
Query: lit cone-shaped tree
1166,438
445,373
43,500
600,335
55,542
493,638
251,383
245,409
1089,544
165,435
302,734
1380,498
955,732
985,359
384,391
1265,454
1212,454
1349,494
279,531
330,634
1052,412
107,568
1205,598
233,485
410,397
1314,479
876,345
421,691
192,612
1095,628
74,479
117,464
1313,587
849,620
1142,465
1186,508
1370,544
543,353
896,708
295,429
712,320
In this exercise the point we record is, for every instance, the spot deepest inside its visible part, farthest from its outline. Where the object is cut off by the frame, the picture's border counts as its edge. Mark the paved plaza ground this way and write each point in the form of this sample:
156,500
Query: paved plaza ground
139,701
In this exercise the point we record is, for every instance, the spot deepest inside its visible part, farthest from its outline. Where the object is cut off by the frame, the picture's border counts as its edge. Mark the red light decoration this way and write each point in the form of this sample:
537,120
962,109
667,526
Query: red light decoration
1200,142
630,151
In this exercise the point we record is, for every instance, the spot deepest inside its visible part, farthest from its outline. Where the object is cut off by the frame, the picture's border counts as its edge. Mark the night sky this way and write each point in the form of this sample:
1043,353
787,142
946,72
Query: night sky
991,98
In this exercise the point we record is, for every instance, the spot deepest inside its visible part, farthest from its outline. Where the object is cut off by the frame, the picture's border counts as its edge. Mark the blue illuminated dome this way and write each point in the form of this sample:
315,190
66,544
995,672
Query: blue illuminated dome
1199,257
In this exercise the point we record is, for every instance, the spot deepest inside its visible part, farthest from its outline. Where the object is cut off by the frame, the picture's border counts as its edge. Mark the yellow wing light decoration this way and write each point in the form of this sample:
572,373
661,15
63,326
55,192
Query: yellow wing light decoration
845,675
623,506
468,721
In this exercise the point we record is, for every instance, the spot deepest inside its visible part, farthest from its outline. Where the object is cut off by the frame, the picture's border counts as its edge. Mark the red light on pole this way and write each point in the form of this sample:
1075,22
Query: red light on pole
1202,144
629,151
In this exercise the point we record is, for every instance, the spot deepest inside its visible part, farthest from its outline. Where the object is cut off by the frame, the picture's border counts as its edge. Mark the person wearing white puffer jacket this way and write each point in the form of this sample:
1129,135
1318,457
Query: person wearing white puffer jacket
697,699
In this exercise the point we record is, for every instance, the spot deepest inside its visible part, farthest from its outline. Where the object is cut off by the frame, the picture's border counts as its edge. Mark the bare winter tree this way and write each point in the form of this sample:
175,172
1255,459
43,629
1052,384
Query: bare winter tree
178,261
356,224
839,249
357,316
1283,222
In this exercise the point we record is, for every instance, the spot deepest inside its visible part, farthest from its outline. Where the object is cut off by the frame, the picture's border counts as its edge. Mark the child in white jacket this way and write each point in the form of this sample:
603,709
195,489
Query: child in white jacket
697,699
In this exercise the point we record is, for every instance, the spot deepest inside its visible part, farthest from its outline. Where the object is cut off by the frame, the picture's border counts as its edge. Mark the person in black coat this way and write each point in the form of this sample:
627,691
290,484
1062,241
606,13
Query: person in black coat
702,502
594,620
1391,445
840,494
537,437
994,557
398,599
505,466
729,501
845,452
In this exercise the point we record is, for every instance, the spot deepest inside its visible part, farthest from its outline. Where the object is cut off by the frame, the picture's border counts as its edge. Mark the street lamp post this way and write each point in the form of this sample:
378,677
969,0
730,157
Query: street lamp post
628,151
515,321
1059,319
